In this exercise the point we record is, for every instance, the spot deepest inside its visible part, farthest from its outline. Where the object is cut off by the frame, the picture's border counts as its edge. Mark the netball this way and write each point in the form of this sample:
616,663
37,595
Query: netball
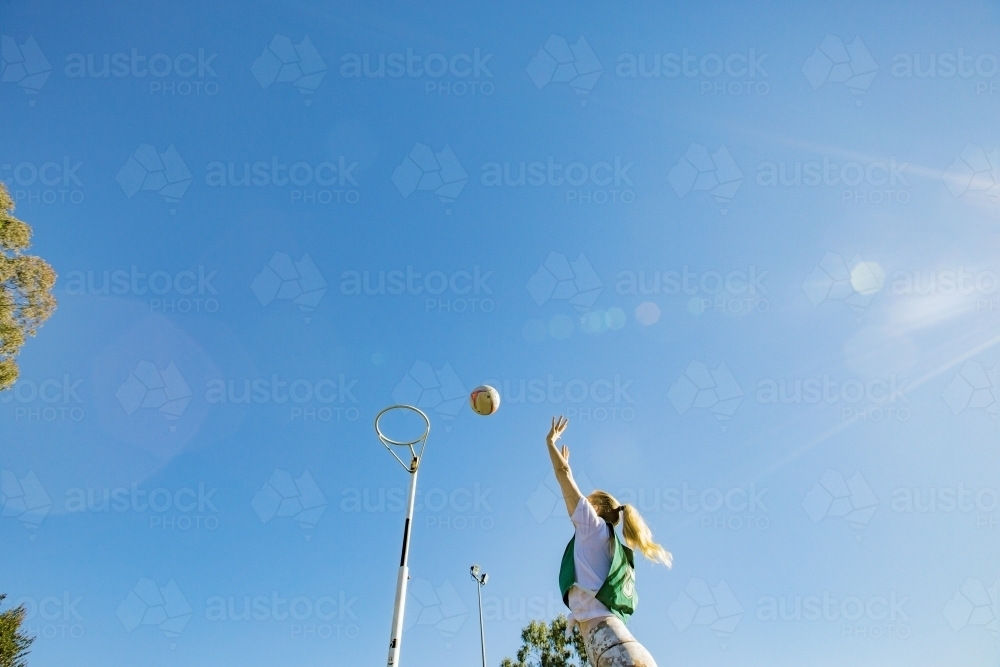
485,400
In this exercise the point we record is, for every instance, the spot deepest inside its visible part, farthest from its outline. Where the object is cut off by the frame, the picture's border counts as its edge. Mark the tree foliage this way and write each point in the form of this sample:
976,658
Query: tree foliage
545,645
14,643
26,282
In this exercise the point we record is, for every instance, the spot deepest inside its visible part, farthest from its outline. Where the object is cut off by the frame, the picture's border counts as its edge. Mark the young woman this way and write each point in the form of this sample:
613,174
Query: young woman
597,576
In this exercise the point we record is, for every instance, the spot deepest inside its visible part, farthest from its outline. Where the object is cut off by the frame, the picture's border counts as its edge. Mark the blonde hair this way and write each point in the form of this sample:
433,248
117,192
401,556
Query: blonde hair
638,536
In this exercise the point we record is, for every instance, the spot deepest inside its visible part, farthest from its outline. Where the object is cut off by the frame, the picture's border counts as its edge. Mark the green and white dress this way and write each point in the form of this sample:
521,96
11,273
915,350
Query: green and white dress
597,581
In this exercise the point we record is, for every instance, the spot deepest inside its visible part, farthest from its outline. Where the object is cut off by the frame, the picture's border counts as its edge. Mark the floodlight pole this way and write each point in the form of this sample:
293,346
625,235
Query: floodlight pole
404,572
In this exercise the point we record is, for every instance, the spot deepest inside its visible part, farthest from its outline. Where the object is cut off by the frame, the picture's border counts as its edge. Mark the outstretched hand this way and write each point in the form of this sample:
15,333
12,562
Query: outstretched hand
560,464
558,426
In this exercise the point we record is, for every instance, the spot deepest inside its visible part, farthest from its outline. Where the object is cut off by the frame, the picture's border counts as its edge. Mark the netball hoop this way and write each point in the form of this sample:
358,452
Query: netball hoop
416,452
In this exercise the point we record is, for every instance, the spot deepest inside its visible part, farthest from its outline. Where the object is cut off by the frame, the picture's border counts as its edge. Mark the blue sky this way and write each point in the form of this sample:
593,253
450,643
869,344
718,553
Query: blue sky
759,277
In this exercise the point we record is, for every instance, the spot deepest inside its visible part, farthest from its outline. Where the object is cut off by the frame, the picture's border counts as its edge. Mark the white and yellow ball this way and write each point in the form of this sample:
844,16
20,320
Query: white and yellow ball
485,400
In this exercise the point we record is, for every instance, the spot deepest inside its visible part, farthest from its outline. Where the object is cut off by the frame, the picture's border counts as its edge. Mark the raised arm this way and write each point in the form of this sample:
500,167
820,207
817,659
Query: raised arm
560,465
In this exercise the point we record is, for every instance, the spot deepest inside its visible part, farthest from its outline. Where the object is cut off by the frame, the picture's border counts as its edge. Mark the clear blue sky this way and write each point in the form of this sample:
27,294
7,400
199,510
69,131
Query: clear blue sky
749,249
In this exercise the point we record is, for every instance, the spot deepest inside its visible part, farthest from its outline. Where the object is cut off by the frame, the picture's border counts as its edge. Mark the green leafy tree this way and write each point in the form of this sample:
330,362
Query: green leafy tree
14,643
26,283
545,645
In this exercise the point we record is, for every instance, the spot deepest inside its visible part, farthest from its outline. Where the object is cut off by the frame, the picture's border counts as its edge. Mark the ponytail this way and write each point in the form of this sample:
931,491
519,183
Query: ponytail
638,536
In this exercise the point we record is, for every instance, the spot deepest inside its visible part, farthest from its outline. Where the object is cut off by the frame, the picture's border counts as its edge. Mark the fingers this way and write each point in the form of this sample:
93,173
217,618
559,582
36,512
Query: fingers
558,426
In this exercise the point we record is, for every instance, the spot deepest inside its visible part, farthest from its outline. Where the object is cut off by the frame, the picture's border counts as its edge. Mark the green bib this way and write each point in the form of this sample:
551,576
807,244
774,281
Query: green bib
617,593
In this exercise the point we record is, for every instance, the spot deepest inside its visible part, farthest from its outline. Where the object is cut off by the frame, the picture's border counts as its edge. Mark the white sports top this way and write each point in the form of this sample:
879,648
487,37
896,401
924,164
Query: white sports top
592,557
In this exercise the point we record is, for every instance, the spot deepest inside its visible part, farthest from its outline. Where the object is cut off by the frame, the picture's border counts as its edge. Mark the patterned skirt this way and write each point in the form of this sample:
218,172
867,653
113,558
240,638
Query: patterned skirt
610,644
